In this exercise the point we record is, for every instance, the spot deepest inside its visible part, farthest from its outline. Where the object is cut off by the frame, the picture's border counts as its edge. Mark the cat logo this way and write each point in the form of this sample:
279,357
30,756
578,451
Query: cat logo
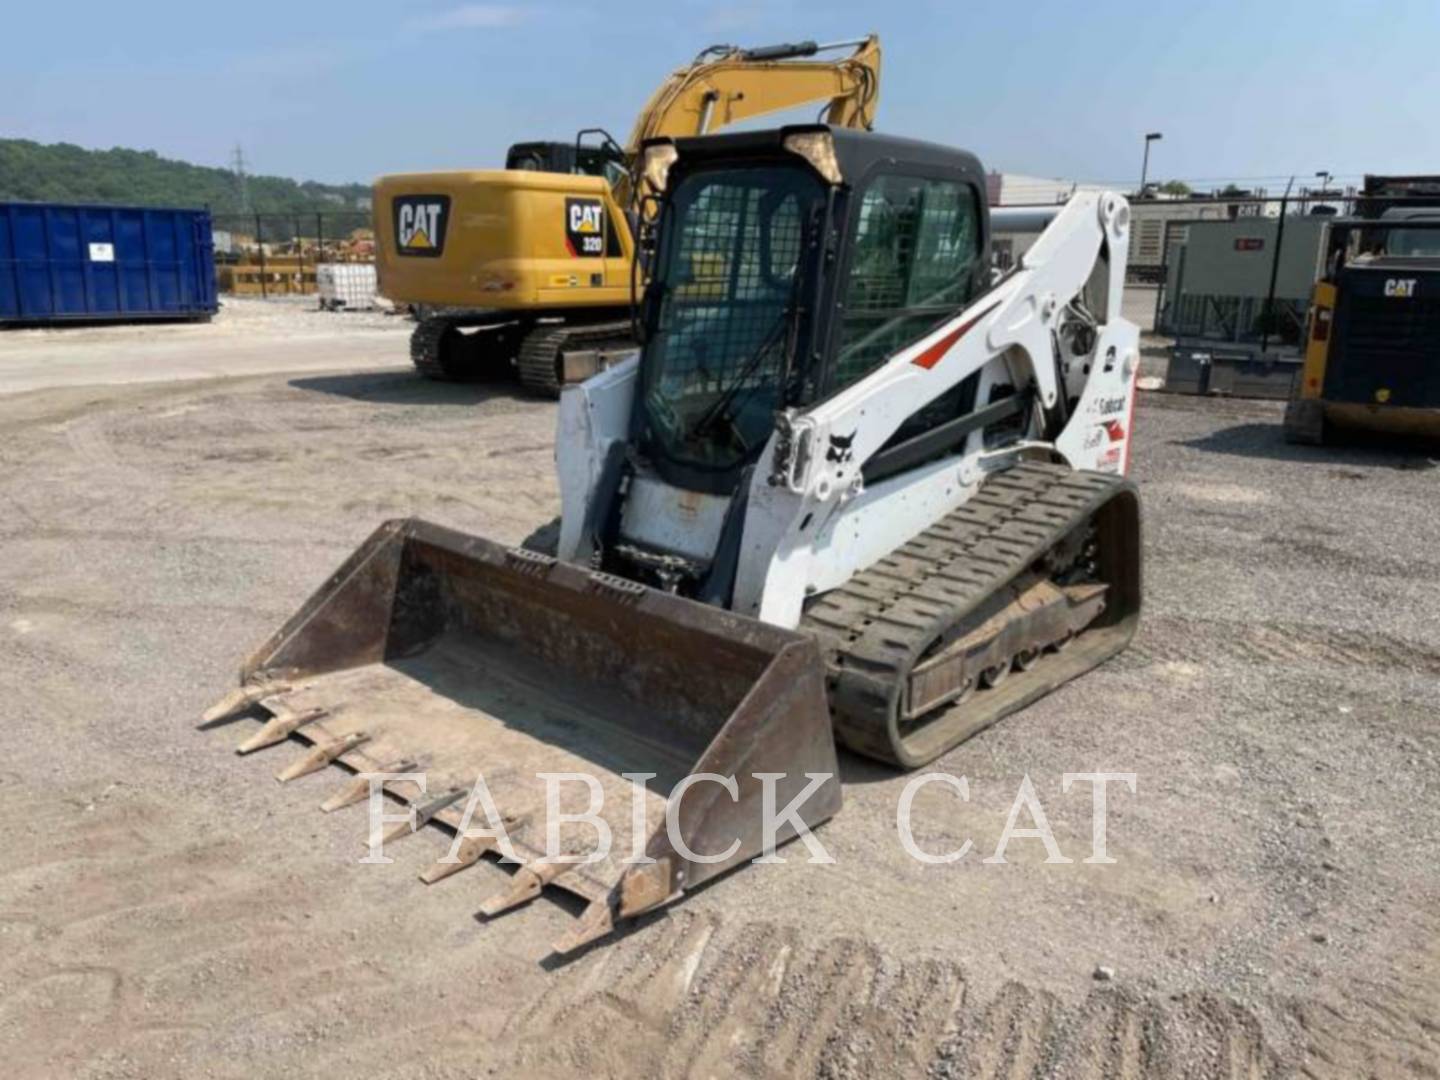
1403,288
420,224
584,228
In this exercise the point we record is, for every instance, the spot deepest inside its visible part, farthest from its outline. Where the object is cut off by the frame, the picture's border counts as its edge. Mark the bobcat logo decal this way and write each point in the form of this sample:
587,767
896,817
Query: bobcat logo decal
839,450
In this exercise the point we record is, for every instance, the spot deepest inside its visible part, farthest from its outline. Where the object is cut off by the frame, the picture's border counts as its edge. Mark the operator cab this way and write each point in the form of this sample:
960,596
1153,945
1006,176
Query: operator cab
1404,235
786,266
578,158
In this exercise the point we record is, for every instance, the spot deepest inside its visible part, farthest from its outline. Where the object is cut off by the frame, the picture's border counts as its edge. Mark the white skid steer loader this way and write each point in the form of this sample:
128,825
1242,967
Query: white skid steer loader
855,488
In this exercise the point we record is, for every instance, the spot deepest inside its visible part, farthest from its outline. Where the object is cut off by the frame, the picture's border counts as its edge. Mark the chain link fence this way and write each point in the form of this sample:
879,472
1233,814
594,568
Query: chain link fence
1230,271
269,255
1233,267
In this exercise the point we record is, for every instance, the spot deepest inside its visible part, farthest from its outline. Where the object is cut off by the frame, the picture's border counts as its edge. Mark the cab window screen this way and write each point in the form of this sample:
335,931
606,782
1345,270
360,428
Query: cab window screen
731,275
727,281
916,253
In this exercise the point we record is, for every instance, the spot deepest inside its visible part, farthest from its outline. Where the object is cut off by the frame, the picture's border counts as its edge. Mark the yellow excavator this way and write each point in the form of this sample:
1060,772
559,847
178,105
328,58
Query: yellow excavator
531,268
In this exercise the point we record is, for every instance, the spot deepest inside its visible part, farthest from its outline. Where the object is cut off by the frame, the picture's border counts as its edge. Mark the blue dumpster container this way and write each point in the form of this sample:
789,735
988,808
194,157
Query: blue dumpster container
61,263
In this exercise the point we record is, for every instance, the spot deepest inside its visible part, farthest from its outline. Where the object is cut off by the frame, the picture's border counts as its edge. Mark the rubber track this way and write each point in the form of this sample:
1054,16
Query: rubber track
427,341
543,346
425,348
873,629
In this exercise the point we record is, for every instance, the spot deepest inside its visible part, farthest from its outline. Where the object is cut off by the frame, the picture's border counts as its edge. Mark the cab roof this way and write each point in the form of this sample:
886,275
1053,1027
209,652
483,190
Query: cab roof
857,152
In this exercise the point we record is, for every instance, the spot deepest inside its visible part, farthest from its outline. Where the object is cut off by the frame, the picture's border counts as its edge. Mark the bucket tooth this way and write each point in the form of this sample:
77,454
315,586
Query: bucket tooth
597,921
358,789
238,700
321,756
279,728
422,815
474,662
470,851
425,813
525,886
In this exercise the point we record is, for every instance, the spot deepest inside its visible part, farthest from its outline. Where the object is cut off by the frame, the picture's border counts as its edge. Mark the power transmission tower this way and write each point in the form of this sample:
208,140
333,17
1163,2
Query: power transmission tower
242,182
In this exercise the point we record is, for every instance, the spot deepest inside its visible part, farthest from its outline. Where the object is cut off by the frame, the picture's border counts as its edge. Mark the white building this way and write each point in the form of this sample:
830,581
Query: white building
1158,219
1014,189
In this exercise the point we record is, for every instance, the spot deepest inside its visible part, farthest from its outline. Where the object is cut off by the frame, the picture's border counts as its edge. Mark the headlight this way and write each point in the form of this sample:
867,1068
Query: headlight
658,159
818,148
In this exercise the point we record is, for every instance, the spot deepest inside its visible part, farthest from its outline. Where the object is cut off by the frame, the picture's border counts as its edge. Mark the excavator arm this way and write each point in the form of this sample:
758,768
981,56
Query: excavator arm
726,85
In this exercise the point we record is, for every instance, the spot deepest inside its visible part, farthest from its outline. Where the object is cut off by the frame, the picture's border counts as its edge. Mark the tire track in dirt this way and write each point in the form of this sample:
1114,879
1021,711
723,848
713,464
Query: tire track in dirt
1399,1015
696,999
89,441
156,944
139,492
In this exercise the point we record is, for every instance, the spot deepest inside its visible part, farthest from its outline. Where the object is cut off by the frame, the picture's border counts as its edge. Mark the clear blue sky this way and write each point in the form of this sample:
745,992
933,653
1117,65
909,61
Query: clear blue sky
332,91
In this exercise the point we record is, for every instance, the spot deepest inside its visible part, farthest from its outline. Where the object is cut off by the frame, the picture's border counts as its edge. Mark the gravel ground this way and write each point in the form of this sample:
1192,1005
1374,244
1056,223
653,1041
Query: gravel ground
166,909
247,336
238,315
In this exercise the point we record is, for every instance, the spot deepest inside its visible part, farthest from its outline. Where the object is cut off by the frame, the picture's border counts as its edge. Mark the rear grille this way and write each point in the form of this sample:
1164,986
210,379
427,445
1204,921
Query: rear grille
1386,329
1386,349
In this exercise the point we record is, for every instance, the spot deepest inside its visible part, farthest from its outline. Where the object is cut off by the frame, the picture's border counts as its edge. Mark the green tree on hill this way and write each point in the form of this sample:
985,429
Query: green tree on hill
61,172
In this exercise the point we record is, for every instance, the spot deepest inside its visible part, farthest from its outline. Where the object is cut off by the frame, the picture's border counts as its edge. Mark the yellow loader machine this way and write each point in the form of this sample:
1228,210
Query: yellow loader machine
855,488
1372,355
532,268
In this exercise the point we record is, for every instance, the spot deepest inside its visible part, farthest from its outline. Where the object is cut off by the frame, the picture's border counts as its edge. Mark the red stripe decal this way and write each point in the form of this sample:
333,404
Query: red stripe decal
1130,419
570,247
932,356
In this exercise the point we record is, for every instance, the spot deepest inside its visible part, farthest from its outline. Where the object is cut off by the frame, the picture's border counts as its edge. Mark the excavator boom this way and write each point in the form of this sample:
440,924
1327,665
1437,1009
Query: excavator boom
727,85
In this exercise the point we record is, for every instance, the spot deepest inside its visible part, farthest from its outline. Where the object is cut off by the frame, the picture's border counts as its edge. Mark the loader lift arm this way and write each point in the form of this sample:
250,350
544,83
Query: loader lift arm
1016,320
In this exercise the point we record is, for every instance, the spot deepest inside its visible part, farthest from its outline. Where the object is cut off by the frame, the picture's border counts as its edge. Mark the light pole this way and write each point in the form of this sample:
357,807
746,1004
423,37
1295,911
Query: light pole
1324,177
1145,168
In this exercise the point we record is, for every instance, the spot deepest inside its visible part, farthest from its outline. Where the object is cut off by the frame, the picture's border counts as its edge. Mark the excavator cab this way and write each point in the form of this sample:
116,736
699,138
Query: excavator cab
601,157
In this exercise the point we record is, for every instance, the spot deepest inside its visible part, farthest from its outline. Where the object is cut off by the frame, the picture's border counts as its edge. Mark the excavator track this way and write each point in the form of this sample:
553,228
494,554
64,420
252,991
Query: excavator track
440,351
1032,582
541,361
